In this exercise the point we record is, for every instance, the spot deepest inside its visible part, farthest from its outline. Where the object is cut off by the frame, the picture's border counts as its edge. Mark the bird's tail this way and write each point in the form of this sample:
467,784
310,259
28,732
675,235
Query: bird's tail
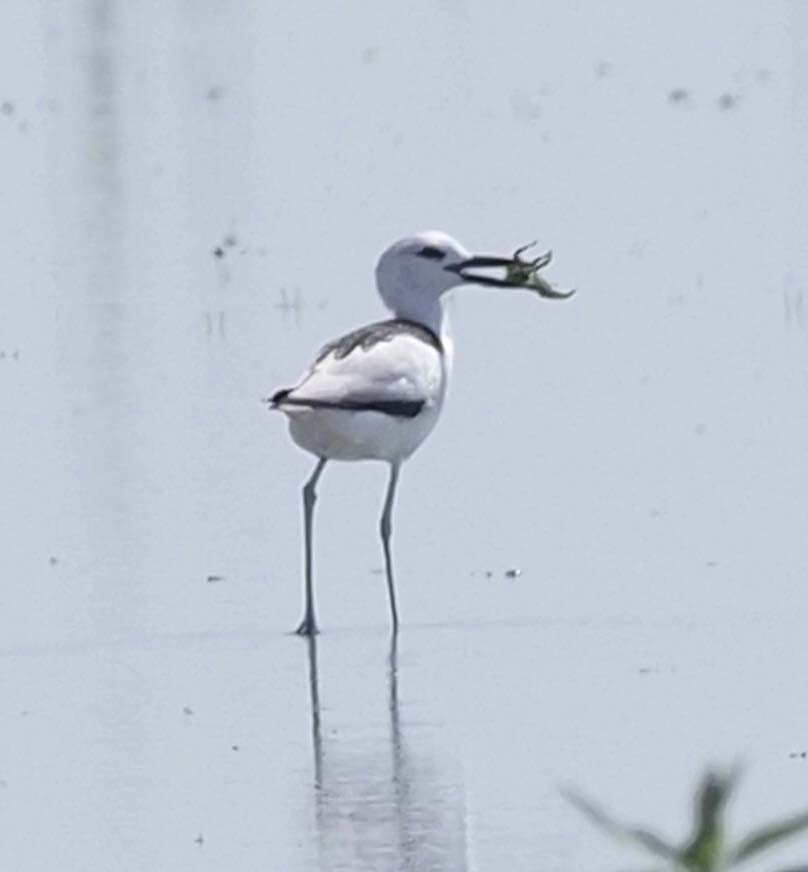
274,402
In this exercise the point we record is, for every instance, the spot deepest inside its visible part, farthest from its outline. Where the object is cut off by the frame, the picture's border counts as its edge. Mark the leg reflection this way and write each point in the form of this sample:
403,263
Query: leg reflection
314,700
384,798
392,702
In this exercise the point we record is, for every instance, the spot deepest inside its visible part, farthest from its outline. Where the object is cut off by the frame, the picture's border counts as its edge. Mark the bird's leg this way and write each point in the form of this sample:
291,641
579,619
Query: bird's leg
386,527
308,626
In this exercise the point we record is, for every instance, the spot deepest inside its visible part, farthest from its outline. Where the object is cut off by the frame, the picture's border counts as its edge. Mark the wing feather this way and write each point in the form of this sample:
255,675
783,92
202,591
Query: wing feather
396,374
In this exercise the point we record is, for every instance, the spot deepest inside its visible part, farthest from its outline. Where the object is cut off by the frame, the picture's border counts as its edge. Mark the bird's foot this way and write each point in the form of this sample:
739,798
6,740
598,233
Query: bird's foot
307,627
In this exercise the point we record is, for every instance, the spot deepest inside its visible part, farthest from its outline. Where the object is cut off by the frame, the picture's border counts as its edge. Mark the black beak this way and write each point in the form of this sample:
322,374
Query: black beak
518,273
484,261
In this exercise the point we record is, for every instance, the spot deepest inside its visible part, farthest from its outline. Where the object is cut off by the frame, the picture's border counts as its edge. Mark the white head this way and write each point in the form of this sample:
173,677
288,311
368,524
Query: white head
414,273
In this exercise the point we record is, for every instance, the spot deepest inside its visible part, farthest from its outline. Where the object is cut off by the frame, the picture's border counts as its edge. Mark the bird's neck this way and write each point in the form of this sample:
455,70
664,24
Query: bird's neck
431,315
435,317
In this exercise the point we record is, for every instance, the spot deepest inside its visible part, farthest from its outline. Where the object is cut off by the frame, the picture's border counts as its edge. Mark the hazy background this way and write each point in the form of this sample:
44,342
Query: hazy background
637,454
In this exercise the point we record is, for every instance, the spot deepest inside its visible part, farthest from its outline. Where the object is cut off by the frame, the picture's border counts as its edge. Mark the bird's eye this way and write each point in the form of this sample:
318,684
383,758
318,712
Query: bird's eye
431,252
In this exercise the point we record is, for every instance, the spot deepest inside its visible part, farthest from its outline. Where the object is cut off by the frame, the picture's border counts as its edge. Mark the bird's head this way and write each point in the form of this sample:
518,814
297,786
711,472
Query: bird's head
417,270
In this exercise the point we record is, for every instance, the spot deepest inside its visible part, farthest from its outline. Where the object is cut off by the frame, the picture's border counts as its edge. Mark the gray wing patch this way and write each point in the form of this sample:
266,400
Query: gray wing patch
372,334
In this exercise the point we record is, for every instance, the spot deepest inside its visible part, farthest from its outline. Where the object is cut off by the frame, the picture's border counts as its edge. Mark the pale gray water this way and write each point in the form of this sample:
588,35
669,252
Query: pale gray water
639,452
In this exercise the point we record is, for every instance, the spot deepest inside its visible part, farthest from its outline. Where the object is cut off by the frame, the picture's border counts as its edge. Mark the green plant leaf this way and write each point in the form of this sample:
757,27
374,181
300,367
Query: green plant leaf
766,837
706,848
644,838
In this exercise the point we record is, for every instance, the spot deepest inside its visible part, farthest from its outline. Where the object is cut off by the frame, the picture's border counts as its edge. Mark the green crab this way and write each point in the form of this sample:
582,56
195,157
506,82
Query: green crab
525,273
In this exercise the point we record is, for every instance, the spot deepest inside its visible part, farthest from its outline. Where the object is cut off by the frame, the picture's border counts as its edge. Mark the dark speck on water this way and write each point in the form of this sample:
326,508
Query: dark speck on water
229,241
527,106
187,710
199,839
7,107
212,579
679,95
727,101
602,69
214,94
513,573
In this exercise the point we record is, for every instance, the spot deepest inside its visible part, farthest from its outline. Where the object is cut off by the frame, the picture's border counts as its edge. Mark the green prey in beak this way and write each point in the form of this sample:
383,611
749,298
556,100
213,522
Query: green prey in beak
519,273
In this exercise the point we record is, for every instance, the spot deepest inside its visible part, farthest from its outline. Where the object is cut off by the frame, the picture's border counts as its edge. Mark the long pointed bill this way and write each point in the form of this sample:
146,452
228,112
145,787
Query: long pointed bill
518,273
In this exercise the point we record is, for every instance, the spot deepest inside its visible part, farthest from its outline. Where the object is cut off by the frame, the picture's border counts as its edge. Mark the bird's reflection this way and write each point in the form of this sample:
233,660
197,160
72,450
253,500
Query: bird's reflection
382,801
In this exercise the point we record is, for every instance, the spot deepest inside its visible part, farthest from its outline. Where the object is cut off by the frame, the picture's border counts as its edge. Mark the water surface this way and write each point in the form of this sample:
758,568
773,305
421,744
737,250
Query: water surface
637,454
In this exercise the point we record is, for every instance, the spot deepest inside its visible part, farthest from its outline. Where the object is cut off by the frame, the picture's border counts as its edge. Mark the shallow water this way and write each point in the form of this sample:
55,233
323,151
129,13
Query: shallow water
637,454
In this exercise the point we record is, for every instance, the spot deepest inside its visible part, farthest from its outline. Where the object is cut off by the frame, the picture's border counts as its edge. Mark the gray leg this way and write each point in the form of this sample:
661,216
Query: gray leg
308,626
386,527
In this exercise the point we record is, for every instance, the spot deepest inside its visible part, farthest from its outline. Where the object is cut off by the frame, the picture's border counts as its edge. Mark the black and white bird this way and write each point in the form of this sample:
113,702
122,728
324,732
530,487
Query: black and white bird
377,392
